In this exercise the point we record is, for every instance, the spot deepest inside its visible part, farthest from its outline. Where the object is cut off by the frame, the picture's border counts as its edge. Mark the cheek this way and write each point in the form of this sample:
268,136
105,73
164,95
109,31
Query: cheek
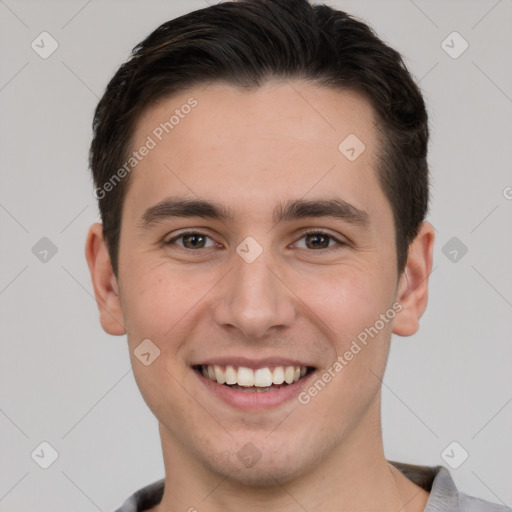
348,300
143,309
351,303
155,305
155,300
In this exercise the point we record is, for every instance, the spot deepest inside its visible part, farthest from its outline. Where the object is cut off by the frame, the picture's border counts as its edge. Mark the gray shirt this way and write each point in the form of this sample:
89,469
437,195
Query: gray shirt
444,496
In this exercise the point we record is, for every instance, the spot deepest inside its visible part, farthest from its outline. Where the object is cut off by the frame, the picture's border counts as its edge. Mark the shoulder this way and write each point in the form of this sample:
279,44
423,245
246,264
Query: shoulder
144,499
443,493
452,499
472,504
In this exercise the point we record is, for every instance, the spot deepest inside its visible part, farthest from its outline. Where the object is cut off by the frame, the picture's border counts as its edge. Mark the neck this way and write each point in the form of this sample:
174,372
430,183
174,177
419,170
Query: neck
354,477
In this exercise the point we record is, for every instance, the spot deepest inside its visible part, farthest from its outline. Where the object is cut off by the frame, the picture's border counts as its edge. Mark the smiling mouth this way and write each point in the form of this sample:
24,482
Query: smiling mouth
240,378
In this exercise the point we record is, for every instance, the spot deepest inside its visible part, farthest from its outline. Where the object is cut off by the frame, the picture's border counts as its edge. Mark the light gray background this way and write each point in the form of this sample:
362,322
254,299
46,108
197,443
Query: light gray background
64,381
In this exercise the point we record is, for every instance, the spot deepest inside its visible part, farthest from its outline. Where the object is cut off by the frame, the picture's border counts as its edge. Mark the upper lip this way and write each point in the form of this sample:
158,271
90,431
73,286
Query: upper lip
252,363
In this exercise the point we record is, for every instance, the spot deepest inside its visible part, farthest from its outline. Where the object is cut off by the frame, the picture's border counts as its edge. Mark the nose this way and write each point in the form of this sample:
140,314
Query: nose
254,298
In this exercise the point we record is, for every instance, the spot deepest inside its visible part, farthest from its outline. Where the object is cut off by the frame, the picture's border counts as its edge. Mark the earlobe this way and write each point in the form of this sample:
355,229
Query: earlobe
413,286
106,289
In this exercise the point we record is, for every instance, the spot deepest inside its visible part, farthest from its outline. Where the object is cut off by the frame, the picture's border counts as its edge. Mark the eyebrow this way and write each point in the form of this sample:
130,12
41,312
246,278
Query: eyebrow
293,209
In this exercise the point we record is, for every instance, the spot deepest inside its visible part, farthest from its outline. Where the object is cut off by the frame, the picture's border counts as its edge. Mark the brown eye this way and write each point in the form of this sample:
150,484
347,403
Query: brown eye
320,241
191,240
317,241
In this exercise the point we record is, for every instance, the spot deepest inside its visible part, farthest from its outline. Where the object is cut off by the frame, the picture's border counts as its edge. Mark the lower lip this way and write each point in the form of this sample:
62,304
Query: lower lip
255,401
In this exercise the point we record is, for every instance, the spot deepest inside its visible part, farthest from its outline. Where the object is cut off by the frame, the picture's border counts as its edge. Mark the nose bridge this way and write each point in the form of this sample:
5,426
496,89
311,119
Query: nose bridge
253,299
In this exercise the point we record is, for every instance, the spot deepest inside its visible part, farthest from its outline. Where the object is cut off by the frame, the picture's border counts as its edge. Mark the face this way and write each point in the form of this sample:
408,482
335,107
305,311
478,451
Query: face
293,264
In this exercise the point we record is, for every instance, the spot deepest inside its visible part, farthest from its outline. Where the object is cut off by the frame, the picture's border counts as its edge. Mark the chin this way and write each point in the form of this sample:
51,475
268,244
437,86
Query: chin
262,475
274,465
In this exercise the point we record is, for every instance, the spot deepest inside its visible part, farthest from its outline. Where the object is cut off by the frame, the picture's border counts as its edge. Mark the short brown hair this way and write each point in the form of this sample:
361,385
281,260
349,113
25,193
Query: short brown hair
246,43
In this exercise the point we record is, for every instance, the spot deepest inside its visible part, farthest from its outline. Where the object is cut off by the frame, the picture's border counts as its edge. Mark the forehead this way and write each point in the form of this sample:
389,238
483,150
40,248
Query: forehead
298,111
283,140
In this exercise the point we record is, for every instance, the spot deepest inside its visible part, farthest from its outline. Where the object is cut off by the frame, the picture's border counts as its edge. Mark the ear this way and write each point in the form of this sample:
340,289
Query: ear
413,285
106,289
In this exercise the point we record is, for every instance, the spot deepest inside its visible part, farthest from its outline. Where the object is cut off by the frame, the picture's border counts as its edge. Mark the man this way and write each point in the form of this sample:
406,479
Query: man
261,174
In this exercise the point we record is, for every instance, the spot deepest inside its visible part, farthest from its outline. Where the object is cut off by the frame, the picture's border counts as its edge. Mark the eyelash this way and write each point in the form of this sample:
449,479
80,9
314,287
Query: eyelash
304,234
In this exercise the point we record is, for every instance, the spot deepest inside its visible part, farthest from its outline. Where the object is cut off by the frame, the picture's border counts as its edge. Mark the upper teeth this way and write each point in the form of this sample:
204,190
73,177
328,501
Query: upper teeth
262,377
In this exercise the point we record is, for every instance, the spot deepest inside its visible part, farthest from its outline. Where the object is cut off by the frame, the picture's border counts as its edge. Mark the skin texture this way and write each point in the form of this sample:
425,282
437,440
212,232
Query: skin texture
251,151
